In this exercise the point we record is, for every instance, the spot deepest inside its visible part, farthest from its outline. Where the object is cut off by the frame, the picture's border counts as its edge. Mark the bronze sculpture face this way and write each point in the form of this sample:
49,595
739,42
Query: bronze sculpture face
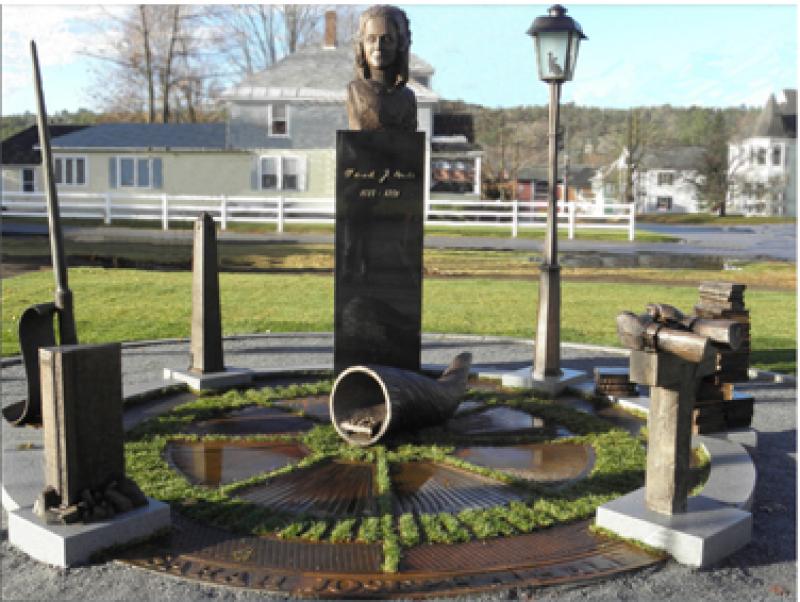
378,98
381,43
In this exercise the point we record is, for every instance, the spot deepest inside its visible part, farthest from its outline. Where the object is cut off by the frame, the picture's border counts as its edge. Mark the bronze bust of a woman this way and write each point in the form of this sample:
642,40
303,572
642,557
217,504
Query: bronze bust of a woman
378,99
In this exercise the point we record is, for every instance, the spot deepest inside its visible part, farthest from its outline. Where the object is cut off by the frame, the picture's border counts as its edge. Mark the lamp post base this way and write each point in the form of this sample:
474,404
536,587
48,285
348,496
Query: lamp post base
548,387
547,352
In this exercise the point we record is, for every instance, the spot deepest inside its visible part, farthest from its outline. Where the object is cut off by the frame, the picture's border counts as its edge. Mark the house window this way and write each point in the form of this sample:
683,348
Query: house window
664,203
278,120
541,190
27,179
135,172
760,190
269,173
761,156
291,173
70,170
748,189
282,173
127,176
776,155
665,178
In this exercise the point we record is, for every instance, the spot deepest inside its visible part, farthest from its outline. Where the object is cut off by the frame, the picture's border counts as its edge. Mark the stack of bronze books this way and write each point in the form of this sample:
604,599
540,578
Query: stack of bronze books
613,382
718,406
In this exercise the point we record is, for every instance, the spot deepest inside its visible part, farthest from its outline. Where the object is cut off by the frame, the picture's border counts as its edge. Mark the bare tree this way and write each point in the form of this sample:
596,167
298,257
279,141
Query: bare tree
634,140
166,73
300,25
714,174
151,94
148,57
246,35
176,57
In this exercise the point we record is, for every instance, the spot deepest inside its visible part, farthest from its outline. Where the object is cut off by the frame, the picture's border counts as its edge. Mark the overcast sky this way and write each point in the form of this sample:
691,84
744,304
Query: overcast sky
636,54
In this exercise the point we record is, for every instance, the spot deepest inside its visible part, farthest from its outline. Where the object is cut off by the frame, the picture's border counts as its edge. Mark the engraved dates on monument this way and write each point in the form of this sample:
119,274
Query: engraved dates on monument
379,215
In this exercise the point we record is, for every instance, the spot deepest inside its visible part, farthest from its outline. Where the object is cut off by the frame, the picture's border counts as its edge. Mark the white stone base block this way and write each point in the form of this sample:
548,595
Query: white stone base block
635,404
550,387
708,532
70,545
230,377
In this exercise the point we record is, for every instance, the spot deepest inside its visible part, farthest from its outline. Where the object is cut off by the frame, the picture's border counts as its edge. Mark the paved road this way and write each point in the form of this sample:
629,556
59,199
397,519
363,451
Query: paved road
778,241
765,241
766,569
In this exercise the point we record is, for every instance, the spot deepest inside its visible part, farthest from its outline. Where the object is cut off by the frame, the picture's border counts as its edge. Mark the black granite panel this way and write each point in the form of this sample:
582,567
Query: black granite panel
379,220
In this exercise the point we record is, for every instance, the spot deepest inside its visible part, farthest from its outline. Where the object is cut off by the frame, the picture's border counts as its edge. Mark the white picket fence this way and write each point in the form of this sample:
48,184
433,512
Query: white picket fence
279,210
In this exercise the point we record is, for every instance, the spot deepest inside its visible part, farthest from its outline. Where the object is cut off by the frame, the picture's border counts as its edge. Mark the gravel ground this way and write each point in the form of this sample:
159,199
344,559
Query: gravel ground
766,569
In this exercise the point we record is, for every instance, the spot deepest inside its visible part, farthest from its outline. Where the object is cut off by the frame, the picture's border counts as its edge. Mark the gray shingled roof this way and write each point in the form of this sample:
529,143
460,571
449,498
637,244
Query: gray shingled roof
316,73
790,107
769,123
674,157
778,120
533,173
21,148
146,135
579,176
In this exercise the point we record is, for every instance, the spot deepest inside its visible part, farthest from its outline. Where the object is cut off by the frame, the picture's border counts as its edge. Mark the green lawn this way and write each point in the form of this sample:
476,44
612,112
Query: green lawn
711,220
484,231
504,232
124,305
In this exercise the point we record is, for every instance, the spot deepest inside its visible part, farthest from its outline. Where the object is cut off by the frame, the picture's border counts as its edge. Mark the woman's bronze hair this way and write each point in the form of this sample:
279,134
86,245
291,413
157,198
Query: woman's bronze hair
399,19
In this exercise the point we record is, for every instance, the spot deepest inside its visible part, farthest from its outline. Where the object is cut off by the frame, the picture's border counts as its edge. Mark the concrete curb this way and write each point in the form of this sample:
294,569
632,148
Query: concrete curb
17,359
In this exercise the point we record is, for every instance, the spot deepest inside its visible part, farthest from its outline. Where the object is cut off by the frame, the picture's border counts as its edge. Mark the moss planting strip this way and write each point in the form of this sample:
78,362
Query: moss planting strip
618,468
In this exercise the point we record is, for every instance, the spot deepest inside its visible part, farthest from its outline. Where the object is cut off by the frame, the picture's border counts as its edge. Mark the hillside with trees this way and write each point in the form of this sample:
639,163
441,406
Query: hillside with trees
515,138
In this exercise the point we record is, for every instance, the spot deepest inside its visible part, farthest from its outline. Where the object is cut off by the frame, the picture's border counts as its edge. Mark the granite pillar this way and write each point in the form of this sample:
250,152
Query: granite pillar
379,241
206,345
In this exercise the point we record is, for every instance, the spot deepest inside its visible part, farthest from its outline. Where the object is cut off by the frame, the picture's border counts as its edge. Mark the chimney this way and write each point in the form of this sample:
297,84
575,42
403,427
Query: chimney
330,30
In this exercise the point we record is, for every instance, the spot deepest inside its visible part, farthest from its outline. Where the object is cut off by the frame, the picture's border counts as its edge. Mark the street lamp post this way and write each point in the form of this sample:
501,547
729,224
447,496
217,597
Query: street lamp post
556,39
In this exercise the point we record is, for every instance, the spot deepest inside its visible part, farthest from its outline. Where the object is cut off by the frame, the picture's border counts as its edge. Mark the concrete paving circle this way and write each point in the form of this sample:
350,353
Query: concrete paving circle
764,569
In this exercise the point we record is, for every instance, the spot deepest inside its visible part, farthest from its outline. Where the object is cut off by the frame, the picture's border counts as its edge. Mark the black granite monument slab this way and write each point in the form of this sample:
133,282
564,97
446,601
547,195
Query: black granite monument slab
379,240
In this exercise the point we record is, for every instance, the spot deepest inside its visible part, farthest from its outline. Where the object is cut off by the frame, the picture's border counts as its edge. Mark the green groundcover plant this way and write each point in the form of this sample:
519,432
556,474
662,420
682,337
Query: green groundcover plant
618,468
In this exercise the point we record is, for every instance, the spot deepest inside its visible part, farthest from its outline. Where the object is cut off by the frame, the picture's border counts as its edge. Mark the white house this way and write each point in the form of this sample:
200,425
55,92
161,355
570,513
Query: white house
664,180
763,166
279,140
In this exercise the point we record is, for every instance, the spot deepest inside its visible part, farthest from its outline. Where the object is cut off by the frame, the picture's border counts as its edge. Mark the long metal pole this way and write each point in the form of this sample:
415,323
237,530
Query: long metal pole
63,296
551,239
548,327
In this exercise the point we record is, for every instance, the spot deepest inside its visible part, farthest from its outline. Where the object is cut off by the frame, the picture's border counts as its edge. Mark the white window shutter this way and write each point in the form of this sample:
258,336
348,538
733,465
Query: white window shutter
254,183
302,169
112,172
158,174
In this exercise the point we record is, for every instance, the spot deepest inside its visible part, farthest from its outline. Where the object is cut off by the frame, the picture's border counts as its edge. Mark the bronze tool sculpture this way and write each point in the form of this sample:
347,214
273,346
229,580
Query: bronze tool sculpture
36,327
671,353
